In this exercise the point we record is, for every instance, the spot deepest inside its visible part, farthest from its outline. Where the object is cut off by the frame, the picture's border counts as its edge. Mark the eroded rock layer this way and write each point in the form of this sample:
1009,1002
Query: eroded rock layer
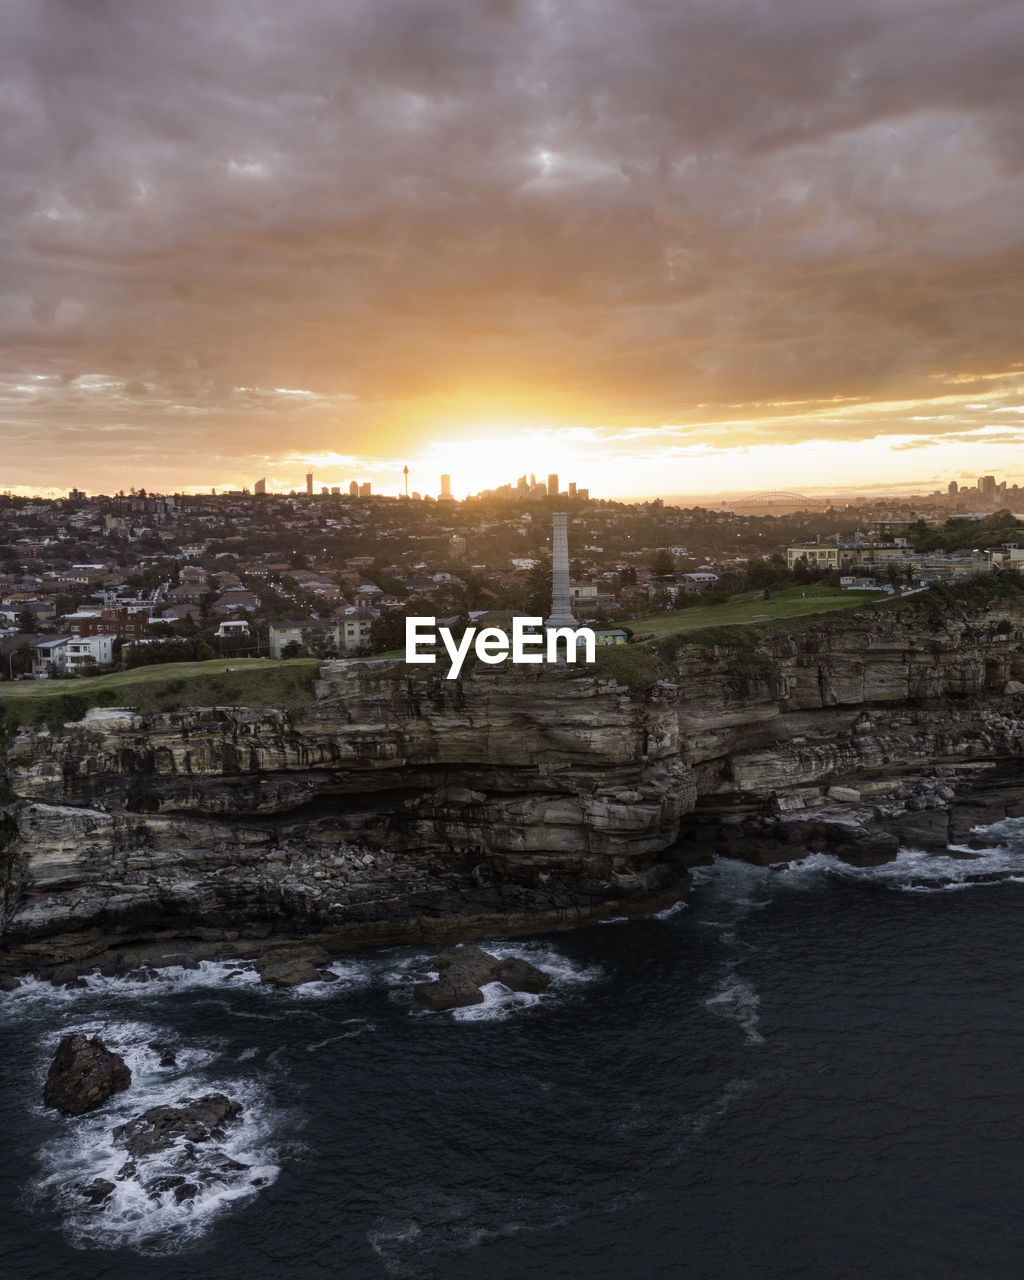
402,806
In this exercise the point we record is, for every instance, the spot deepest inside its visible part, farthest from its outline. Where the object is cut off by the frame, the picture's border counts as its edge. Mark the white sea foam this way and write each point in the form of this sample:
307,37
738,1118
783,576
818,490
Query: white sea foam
84,1151
212,977
499,1001
677,908
914,871
736,1000
355,1027
735,888
349,975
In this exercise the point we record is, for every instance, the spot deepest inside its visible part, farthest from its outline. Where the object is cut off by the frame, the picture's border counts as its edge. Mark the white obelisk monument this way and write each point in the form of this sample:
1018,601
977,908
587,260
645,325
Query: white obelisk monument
561,613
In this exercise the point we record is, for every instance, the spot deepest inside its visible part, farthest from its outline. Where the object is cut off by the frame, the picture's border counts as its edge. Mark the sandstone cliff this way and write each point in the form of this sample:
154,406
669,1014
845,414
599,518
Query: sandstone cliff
396,806
399,805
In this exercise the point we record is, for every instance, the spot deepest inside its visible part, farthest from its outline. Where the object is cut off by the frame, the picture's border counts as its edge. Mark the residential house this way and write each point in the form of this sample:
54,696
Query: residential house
232,600
309,633
237,628
694,583
123,624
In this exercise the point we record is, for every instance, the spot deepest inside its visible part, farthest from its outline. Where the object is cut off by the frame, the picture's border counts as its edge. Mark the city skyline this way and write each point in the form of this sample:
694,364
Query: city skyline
773,246
978,493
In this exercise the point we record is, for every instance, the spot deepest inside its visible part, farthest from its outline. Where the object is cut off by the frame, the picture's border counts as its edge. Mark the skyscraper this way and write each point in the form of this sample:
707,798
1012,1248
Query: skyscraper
446,489
364,489
309,482
553,485
260,487
353,489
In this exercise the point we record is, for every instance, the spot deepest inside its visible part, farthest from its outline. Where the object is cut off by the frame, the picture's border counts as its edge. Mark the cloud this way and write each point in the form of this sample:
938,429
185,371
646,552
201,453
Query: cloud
425,215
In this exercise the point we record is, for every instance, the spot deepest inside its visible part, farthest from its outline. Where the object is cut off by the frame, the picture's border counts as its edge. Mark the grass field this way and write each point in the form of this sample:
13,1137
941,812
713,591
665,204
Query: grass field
260,682
254,682
750,607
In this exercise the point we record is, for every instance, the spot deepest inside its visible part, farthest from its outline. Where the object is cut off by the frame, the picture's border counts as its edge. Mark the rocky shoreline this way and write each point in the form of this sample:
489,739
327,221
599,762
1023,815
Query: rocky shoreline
401,808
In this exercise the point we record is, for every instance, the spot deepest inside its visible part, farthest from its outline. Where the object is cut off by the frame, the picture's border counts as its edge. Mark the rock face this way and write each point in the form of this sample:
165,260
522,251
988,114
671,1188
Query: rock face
397,807
462,971
83,1075
401,806
196,1120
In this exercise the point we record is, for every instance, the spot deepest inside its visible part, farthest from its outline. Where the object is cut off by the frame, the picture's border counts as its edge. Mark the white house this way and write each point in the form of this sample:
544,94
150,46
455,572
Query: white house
233,627
69,655
87,651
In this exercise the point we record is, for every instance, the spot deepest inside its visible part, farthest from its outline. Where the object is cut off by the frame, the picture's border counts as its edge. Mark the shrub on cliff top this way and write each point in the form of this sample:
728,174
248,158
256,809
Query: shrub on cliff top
636,666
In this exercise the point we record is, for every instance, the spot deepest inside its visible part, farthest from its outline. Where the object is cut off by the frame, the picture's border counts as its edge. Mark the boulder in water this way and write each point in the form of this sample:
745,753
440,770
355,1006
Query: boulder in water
167,1056
466,964
97,1192
196,1120
464,970
83,1075
292,968
193,1172
520,975
447,994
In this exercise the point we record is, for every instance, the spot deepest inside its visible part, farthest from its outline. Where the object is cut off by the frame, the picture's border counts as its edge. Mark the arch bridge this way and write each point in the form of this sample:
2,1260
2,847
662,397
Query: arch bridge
781,498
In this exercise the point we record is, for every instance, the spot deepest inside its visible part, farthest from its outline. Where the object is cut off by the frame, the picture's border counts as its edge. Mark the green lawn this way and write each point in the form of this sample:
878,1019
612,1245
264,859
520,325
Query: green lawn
254,682
750,607
260,682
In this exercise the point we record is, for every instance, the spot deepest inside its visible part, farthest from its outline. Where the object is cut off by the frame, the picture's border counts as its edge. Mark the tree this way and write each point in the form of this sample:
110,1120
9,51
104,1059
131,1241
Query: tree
26,620
662,564
388,631
17,662
538,589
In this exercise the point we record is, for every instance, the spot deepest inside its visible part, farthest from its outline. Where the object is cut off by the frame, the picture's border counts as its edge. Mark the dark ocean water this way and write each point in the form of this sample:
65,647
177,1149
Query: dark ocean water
815,1073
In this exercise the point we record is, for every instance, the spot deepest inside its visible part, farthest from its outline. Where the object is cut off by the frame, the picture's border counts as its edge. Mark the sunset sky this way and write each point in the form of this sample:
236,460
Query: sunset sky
660,246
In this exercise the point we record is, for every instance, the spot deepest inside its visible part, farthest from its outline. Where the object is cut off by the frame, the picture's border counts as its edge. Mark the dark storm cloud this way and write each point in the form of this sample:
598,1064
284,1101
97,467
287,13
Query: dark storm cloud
635,209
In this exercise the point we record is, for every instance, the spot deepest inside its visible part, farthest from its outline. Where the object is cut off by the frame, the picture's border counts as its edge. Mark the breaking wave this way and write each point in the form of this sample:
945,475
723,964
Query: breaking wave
567,976
151,1207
